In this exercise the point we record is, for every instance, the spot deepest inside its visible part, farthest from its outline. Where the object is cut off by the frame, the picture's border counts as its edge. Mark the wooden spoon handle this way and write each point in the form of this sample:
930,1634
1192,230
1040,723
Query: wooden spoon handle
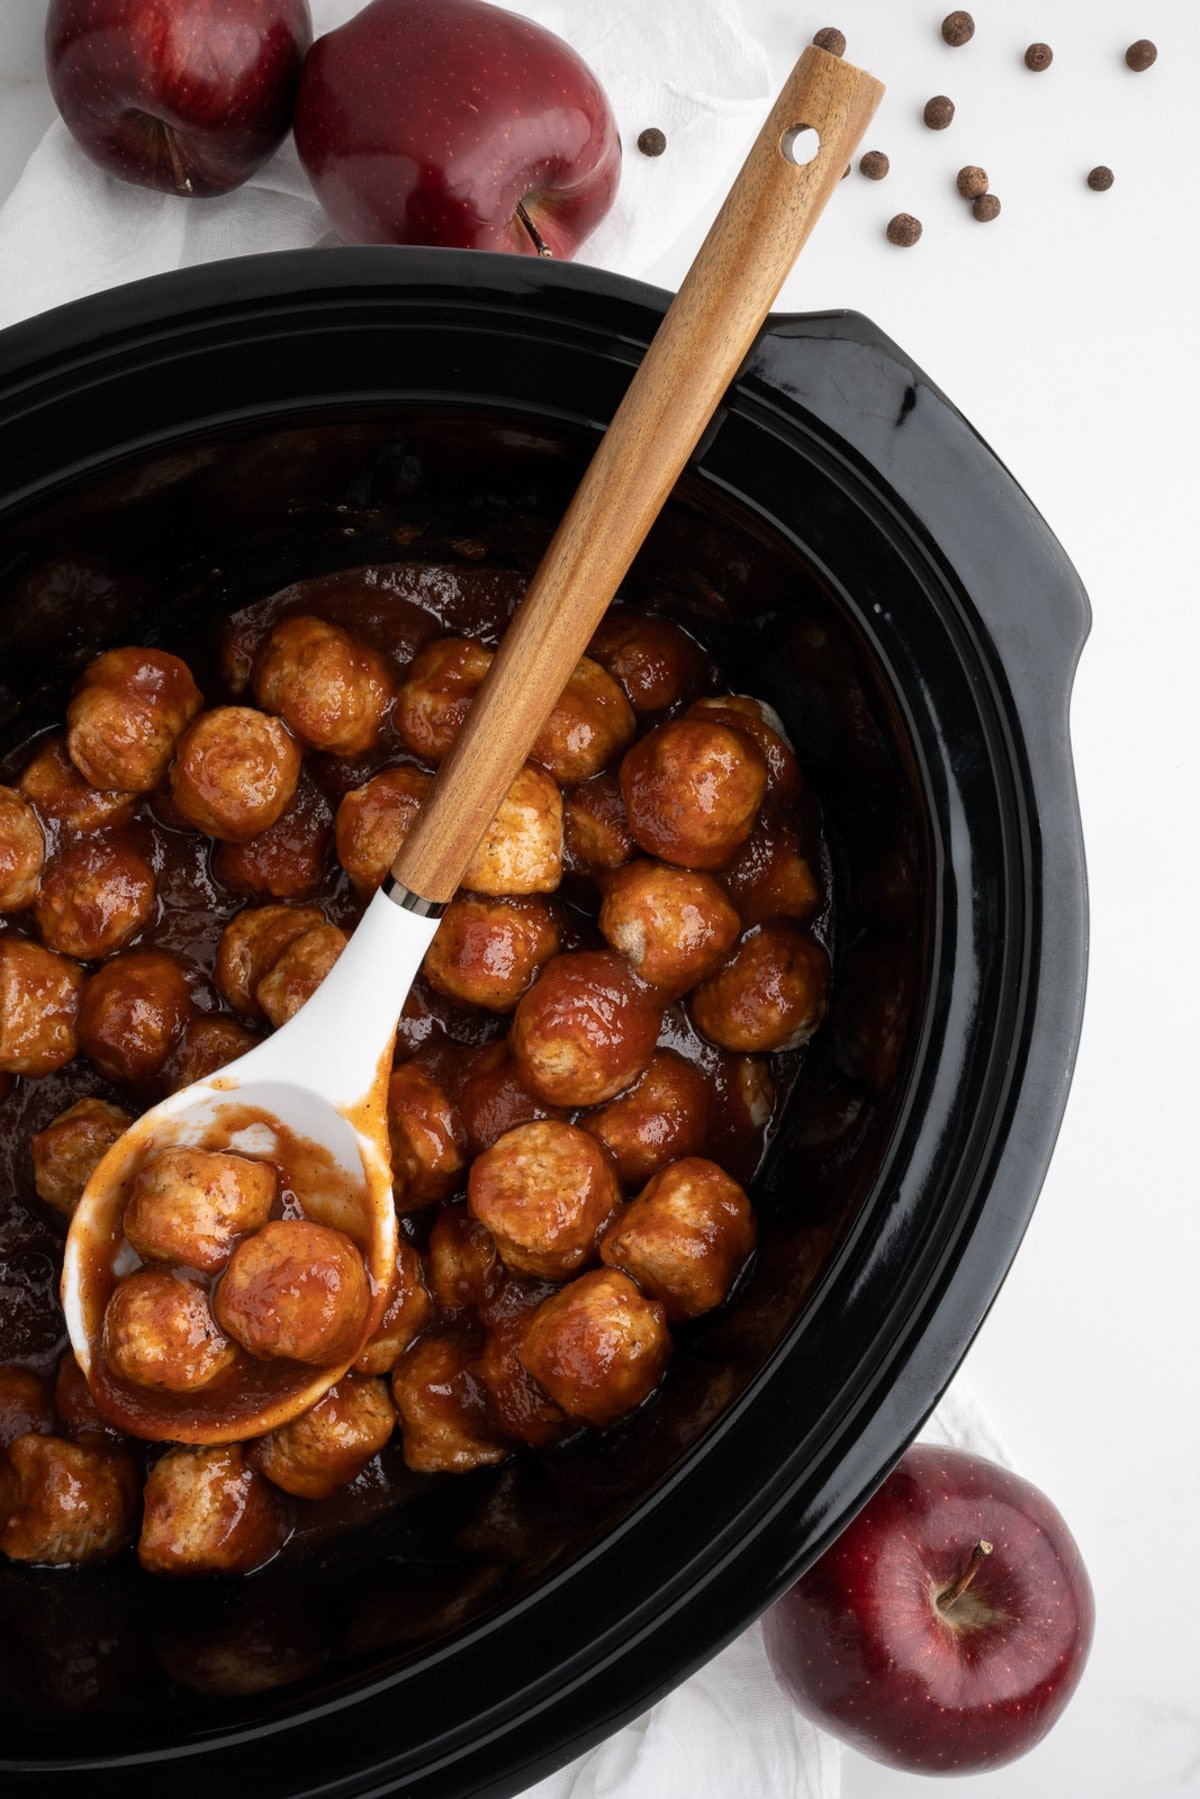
696,352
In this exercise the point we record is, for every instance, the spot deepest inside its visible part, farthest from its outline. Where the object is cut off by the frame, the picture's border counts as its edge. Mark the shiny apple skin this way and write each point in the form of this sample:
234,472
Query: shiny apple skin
222,74
428,121
861,1649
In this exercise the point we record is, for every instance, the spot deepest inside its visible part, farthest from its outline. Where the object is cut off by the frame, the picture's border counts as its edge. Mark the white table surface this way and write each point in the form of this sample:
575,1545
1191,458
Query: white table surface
1067,332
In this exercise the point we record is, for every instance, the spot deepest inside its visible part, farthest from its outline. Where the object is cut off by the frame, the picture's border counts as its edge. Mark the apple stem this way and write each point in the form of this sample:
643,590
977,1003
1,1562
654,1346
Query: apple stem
957,1588
543,248
182,179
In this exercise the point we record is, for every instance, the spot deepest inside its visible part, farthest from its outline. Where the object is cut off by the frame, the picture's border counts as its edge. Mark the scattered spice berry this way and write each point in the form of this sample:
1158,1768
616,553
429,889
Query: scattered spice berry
958,28
903,230
1142,55
986,208
938,112
831,39
874,165
1038,57
652,141
1100,179
971,181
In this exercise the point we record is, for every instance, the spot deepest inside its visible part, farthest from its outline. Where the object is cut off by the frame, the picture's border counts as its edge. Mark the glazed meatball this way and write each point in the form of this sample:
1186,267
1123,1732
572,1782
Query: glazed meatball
132,1011
443,1409
597,1347
55,786
334,692
436,696
207,1511
492,1098
465,1274
672,924
234,773
77,1410
488,951
373,820
39,1007
769,879
518,1406
295,1290
685,1237
207,1045
96,895
656,662
25,1405
521,851
769,995
159,1332
762,724
299,971
426,1137
595,828
586,1029
330,1445
289,859
692,791
250,946
191,1206
127,714
546,1193
663,1117
66,1152
591,724
22,852
67,1502
406,1315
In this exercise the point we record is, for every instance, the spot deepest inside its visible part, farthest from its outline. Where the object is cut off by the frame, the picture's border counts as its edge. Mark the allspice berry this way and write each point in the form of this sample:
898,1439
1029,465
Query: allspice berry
986,208
1142,55
903,230
1100,179
958,28
831,39
938,112
971,182
1038,57
874,165
652,141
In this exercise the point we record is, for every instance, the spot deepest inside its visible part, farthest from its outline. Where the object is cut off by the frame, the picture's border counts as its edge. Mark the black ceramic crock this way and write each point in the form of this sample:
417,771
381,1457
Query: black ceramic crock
853,551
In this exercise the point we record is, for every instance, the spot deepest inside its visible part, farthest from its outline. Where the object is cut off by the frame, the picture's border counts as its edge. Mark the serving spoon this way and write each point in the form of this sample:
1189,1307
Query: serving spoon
324,1075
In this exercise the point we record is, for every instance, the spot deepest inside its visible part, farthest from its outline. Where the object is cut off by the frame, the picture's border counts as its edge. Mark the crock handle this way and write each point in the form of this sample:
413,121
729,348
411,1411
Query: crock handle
697,350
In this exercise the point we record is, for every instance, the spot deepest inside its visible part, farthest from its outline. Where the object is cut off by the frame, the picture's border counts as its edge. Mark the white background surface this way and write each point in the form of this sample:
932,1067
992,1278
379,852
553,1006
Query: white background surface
1067,332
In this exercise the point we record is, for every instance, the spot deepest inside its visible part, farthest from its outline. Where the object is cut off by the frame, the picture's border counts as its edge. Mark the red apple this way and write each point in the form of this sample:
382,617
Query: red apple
947,1627
188,96
454,122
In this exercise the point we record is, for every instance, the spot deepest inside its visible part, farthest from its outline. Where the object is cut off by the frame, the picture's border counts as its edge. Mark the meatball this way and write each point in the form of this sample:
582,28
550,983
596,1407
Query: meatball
159,1332
235,773
492,1099
334,692
128,712
55,786
521,851
591,724
289,859
96,895
373,820
545,1192
132,1011
585,1030
518,1406
443,1408
330,1445
66,1152
664,1116
22,852
407,1314
656,662
692,791
25,1405
597,1347
436,696
426,1136
488,951
207,1511
39,1007
595,828
207,1044
465,1274
672,924
298,973
250,946
769,879
78,1412
684,1238
191,1206
296,1290
67,1502
769,995
762,724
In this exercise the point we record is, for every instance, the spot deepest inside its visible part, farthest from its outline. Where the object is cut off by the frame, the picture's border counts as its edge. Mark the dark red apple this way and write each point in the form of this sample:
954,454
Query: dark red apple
454,122
188,96
947,1627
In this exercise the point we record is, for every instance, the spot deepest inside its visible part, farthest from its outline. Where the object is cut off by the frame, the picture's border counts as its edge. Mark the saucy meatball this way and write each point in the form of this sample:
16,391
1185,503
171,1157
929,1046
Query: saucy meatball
159,1332
22,852
207,1044
334,692
685,1237
55,786
132,1010
545,1192
250,946
299,971
191,1206
295,1290
437,693
289,859
406,1314
770,879
595,828
597,1347
77,1410
328,1446
128,712
442,1405
488,951
96,895
465,1274
591,724
762,724
207,1511
235,772
66,1152
373,820
521,851
672,924
518,1405
426,1137
492,1098
692,791
769,995
39,1007
663,1117
586,1029
67,1502
26,1405
656,662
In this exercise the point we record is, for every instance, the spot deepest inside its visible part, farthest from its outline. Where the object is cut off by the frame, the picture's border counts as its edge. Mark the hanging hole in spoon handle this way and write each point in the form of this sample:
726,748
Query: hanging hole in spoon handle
697,350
